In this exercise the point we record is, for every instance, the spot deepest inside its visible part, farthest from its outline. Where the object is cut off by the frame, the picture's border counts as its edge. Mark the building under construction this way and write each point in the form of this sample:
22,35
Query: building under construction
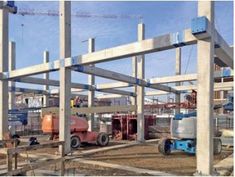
130,127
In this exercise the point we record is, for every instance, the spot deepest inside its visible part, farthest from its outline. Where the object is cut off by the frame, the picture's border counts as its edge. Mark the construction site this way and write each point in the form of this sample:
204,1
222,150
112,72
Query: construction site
116,88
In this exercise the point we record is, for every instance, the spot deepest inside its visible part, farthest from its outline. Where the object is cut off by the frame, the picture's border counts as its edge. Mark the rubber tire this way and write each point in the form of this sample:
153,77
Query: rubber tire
217,146
15,136
163,146
102,139
77,142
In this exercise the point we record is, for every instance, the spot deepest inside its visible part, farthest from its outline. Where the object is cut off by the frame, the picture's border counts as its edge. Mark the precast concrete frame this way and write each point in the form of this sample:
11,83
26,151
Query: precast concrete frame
210,45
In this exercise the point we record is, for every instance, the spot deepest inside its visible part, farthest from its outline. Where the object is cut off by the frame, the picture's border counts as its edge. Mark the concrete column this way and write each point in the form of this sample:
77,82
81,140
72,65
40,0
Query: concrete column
12,59
3,68
91,81
65,74
177,72
134,74
221,110
140,89
46,76
205,71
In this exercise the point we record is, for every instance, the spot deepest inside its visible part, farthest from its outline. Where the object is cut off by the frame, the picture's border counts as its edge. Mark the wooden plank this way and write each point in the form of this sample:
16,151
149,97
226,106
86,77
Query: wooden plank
225,166
33,166
124,167
20,149
105,149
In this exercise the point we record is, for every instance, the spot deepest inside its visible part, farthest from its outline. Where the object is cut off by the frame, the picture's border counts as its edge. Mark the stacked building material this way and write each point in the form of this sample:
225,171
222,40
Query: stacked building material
157,131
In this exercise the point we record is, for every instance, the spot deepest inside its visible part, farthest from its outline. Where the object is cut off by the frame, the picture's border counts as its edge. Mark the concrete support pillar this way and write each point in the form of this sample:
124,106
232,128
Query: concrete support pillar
140,89
65,74
12,59
3,68
46,76
134,74
177,72
91,81
221,110
205,87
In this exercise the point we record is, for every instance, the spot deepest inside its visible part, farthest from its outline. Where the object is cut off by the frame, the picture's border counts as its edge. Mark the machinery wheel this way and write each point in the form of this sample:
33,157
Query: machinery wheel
75,142
217,146
16,138
164,146
103,139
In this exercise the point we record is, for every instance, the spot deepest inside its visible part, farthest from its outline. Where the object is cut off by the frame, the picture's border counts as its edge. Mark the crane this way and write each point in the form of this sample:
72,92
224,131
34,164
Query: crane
77,14
32,12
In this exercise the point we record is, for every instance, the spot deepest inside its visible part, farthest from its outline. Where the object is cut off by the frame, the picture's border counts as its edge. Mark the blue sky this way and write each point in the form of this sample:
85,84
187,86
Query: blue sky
41,33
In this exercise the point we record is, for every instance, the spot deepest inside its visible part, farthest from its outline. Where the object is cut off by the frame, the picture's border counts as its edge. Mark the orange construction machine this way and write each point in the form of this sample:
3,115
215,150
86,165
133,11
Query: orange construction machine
78,128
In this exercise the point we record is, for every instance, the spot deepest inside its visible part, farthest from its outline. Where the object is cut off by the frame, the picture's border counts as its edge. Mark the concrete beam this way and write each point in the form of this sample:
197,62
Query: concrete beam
108,96
205,88
173,79
184,88
50,82
65,75
223,51
12,60
83,87
112,85
3,68
46,77
119,92
91,81
27,90
120,77
98,109
160,43
140,88
178,72
134,74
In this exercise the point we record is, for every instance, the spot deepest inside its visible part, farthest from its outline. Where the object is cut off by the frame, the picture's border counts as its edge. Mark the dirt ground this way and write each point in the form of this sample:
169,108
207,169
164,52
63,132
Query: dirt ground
148,157
141,156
